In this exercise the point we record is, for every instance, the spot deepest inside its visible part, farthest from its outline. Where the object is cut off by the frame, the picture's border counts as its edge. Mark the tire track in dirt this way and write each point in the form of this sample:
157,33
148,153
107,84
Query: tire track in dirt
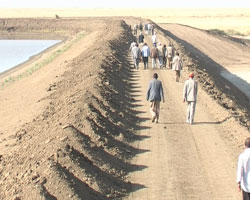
182,161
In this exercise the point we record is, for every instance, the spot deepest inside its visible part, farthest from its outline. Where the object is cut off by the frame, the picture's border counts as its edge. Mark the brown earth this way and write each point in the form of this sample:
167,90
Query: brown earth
78,127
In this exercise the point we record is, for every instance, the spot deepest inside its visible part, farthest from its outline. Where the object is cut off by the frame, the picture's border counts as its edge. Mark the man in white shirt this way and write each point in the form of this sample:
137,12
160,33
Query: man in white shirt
145,54
243,171
136,53
177,66
190,96
154,40
149,28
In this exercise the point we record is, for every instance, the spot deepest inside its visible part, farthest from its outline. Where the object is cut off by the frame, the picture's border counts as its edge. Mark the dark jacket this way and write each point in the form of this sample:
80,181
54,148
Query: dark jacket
141,38
155,91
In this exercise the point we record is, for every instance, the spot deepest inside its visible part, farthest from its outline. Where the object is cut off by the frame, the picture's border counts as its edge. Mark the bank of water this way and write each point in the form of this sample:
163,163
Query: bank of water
15,52
240,78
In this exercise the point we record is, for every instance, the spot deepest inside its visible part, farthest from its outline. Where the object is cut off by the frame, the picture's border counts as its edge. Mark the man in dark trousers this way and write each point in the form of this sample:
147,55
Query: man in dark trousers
145,54
155,95
243,171
141,38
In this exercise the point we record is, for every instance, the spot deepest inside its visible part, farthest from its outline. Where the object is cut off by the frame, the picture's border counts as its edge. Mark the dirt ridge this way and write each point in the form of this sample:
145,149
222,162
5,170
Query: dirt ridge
79,147
219,88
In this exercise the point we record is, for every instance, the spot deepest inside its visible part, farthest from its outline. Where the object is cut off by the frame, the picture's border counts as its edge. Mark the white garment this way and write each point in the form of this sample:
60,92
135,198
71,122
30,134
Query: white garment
132,45
190,90
154,63
145,51
149,26
136,52
154,39
169,52
243,170
160,53
190,112
177,63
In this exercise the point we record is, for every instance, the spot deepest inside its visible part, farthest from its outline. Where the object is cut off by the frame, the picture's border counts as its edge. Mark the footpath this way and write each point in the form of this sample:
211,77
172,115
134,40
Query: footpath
180,161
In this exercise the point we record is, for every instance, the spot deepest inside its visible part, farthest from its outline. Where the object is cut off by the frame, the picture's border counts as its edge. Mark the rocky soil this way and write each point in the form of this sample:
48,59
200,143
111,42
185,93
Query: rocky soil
79,144
78,148
208,75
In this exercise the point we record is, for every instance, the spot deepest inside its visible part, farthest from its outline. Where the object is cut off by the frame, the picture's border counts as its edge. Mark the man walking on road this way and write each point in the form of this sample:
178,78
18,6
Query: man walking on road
243,171
135,29
160,55
190,96
164,52
154,40
136,53
140,38
154,56
149,29
169,54
177,66
145,54
155,95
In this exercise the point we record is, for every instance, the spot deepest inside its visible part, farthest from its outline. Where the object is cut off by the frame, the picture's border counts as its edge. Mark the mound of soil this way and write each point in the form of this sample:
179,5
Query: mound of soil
79,147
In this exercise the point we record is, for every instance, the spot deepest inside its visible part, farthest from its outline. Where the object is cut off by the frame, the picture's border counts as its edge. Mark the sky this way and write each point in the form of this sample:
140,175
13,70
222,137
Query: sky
124,4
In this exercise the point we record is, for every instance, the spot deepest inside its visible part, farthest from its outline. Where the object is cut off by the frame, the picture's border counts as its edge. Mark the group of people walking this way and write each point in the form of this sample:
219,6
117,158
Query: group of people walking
162,56
147,28
155,95
166,57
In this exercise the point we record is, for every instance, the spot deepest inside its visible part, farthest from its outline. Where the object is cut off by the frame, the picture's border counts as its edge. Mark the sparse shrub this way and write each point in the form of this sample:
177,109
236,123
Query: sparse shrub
233,32
217,32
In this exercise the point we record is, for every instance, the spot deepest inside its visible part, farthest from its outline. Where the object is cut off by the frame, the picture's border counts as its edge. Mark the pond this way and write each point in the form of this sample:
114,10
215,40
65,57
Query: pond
15,52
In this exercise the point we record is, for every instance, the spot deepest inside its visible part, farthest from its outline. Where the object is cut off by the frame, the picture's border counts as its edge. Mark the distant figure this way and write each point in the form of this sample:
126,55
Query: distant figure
160,55
154,40
164,52
131,47
154,56
177,66
57,17
155,95
135,29
150,28
190,96
146,28
145,54
141,38
136,53
243,171
140,26
169,55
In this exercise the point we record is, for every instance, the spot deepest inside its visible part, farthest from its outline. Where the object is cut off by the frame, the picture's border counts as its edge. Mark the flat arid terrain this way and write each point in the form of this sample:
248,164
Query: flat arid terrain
231,20
75,123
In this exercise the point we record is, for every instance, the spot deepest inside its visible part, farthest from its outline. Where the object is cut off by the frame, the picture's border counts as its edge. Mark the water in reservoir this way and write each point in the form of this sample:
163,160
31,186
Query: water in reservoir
15,52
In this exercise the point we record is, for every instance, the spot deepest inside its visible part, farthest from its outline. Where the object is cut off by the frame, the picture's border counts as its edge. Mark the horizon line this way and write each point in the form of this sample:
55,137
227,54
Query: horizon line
123,8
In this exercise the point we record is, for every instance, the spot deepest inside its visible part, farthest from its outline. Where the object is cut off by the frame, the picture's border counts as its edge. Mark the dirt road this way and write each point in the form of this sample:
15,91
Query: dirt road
70,129
228,58
182,161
